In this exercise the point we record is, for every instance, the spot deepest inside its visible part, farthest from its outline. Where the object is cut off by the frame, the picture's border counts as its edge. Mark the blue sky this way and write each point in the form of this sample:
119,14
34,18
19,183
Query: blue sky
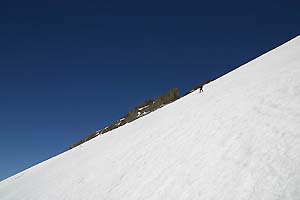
68,68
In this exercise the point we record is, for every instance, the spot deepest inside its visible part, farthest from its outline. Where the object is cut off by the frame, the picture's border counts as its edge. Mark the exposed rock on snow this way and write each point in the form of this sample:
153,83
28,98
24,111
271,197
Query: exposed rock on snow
139,111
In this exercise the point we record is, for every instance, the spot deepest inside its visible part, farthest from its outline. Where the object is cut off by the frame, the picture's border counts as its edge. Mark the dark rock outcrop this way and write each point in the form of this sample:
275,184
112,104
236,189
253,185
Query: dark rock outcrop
141,110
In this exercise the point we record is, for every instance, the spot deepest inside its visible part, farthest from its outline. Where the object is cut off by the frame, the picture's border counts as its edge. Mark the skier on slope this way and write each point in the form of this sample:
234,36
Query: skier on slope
201,88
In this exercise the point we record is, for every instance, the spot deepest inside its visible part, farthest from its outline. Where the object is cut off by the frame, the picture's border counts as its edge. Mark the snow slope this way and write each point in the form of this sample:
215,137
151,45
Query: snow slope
240,139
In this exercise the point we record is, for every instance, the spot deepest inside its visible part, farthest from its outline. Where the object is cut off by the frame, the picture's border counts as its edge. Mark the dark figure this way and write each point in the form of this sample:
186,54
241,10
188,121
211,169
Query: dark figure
201,88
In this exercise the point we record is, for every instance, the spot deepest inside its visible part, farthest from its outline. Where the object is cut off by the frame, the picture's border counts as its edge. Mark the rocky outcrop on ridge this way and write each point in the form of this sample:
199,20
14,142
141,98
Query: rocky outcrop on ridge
143,109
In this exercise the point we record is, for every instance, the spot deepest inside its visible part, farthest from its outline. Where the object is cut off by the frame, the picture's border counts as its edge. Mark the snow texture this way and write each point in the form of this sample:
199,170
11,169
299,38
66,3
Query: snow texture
239,139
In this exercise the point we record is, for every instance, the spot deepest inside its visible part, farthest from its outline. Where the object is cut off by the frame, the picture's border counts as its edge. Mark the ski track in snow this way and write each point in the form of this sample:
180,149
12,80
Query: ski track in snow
239,139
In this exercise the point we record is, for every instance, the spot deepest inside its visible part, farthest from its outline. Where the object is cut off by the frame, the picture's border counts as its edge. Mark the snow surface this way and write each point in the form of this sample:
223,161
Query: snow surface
239,139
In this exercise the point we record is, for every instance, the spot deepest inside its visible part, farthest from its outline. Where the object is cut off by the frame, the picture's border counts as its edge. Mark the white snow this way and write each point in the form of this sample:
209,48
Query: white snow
238,140
143,107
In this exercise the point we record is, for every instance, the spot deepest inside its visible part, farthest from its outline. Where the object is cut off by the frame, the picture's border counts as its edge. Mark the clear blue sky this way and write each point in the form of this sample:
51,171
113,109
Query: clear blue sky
68,68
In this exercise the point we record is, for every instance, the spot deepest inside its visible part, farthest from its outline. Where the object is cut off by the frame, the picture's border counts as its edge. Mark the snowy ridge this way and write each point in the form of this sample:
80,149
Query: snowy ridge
239,139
